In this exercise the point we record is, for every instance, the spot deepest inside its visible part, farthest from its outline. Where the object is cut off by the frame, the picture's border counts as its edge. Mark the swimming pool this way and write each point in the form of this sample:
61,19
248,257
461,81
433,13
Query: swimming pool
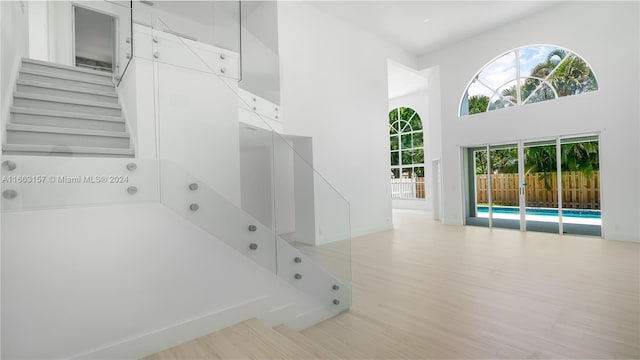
571,213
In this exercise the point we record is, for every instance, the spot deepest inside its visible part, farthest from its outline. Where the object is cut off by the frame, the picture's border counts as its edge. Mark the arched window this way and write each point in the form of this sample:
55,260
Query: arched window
407,153
527,75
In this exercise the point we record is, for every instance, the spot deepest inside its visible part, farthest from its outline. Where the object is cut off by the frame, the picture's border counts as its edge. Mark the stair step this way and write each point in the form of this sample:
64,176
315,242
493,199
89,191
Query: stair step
65,70
66,91
52,150
250,339
65,104
304,342
47,135
57,79
64,119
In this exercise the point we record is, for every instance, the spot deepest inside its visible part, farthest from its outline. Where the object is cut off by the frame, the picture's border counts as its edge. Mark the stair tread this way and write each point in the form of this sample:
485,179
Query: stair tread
64,130
66,100
67,77
66,149
259,340
67,67
69,88
306,343
247,340
67,114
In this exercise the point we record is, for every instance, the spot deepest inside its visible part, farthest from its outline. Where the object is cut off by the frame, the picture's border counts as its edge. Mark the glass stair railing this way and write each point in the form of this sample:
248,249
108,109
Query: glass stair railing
244,182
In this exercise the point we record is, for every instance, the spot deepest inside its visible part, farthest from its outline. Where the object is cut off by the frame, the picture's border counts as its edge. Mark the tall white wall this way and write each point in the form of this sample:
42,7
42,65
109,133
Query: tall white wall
334,89
39,30
610,45
260,63
15,44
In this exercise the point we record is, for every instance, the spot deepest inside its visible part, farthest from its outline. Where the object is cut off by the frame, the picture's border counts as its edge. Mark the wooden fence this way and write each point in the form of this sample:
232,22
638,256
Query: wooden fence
408,188
578,191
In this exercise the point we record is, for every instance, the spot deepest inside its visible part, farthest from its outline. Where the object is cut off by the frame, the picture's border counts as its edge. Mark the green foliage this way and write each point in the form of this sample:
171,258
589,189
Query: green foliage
478,104
576,156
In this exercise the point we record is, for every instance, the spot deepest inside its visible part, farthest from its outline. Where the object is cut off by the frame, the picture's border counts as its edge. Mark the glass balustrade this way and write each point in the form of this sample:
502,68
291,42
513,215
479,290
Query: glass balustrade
227,169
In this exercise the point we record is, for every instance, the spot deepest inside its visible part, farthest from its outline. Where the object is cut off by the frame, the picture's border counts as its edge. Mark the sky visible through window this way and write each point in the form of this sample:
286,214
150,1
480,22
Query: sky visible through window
545,72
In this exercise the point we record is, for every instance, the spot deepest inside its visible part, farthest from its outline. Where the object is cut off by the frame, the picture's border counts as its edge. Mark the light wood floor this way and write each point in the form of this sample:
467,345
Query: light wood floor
425,290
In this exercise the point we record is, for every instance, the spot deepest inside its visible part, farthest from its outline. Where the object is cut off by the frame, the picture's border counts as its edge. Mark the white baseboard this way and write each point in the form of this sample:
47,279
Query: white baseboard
150,343
370,230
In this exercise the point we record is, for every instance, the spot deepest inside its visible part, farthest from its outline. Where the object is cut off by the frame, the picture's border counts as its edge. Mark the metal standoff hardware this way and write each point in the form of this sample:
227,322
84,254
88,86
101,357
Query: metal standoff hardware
223,56
9,194
335,287
252,228
297,260
131,166
193,186
194,207
336,302
223,70
253,246
297,276
156,55
10,165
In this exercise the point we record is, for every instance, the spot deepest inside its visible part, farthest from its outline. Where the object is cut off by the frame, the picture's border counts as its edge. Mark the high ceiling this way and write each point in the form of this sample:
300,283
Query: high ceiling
422,26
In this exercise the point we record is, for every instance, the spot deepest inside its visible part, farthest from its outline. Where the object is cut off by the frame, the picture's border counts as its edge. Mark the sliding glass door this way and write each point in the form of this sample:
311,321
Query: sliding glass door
548,185
541,186
580,163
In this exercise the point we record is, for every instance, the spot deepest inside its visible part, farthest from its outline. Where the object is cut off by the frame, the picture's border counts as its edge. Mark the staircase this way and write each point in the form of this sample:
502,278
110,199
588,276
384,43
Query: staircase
61,110
250,339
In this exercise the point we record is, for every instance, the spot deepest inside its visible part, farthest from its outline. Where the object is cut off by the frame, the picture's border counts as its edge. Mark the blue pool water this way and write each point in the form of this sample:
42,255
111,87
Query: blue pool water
575,213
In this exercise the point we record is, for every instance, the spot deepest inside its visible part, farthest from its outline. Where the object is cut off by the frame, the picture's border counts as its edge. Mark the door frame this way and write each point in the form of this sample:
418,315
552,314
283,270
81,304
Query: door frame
467,178
116,24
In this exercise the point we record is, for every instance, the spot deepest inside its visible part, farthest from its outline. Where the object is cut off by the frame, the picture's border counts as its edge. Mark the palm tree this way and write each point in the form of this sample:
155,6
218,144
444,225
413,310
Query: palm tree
478,104
581,156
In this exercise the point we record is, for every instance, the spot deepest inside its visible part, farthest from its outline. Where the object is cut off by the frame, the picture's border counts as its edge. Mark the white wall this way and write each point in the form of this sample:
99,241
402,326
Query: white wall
256,185
260,63
91,277
334,89
15,45
418,101
612,111
61,29
39,30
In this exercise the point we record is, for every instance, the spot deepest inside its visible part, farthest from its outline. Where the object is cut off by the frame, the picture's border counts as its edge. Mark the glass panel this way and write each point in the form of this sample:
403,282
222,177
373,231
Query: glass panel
407,157
539,61
581,213
534,90
272,180
478,190
407,141
416,123
573,76
418,173
541,190
395,158
393,116
394,142
418,140
505,97
505,186
395,173
499,72
476,99
418,156
312,224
